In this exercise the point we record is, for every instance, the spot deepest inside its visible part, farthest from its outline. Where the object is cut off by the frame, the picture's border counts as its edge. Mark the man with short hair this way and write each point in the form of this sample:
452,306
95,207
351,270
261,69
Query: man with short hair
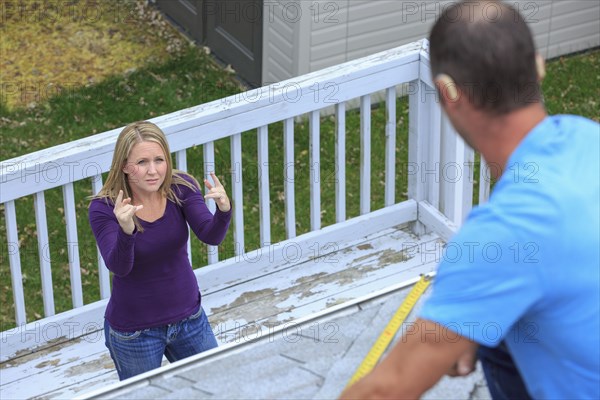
522,288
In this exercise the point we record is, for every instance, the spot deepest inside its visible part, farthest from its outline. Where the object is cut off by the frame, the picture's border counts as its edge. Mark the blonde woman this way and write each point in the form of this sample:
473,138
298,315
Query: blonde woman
140,220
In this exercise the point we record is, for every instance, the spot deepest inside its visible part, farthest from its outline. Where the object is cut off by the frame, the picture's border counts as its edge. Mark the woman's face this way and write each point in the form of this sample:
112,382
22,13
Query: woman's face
146,167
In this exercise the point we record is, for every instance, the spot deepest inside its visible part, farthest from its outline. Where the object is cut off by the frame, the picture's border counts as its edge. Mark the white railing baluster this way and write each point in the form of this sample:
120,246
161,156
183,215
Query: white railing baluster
73,245
208,151
237,194
315,170
181,160
103,275
365,154
263,186
289,177
14,257
340,162
43,246
390,146
484,181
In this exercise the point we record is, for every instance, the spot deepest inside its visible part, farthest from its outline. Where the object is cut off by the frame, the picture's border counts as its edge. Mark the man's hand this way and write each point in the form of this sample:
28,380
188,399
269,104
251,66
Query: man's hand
417,362
465,363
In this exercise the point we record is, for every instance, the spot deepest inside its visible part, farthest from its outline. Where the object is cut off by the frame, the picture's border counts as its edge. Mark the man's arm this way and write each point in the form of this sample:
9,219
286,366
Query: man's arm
424,354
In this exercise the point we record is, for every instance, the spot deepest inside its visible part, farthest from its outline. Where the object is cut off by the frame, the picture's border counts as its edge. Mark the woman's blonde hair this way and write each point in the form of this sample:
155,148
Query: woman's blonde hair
132,134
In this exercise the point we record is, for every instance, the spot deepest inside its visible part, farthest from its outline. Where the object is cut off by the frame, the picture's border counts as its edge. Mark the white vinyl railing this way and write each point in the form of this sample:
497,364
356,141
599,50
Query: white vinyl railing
438,167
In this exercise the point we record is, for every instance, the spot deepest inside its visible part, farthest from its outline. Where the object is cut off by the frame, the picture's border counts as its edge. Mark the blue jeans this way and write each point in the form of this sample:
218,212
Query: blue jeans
136,352
503,378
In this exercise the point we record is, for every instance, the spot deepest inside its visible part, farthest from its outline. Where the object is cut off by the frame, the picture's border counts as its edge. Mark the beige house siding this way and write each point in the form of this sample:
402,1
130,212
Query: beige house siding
331,32
278,46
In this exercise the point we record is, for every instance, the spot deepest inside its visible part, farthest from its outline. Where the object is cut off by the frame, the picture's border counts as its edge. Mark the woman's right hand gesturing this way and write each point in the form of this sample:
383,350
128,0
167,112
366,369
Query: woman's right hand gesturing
124,211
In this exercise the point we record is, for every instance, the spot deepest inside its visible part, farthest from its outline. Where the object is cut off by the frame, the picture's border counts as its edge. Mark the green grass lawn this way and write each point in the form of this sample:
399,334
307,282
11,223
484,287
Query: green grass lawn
571,86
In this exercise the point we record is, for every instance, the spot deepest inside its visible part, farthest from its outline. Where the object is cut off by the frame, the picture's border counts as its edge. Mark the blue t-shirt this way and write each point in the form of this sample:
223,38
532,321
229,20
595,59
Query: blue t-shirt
524,267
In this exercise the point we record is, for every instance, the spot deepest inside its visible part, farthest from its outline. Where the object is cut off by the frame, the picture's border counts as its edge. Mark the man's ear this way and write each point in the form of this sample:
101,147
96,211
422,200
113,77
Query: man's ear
540,65
447,88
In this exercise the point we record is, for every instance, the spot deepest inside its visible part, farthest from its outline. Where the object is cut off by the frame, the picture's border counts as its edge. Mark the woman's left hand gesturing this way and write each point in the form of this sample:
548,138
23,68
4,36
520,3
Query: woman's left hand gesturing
217,192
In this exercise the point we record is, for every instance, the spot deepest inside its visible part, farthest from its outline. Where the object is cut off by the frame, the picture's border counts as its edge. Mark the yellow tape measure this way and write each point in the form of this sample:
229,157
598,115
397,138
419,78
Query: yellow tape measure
385,338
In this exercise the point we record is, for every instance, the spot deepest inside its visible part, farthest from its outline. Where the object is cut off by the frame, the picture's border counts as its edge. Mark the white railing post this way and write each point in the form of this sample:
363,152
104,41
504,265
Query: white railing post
419,139
450,160
432,169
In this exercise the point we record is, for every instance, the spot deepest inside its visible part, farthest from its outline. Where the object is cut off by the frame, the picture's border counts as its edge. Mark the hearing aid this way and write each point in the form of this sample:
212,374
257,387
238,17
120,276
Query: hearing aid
540,66
447,84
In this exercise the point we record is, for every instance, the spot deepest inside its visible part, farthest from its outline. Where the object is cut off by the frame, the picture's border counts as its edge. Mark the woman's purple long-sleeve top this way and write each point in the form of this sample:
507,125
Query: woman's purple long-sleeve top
153,282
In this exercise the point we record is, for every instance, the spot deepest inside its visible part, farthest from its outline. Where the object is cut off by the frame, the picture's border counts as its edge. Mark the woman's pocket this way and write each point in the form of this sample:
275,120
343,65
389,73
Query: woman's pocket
124,335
